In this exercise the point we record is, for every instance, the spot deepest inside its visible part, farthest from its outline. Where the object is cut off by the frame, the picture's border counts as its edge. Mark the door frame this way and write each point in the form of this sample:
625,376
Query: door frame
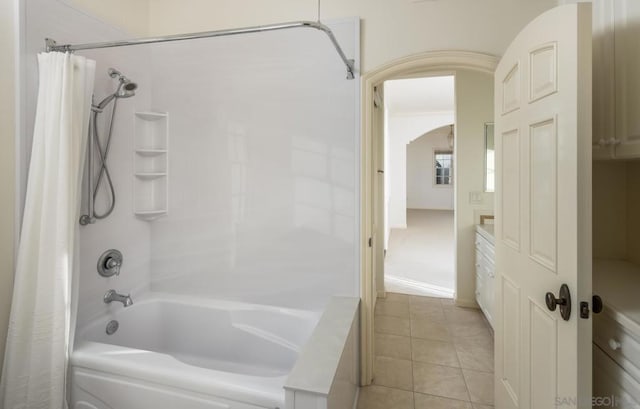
430,63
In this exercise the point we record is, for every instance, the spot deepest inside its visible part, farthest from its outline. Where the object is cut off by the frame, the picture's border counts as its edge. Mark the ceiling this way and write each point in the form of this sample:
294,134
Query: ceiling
420,95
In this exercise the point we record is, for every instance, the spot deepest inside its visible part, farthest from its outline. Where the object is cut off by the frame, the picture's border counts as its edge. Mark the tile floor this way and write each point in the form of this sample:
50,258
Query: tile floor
430,354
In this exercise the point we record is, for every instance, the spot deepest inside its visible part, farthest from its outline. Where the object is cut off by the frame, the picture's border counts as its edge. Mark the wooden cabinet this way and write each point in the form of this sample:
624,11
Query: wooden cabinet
485,270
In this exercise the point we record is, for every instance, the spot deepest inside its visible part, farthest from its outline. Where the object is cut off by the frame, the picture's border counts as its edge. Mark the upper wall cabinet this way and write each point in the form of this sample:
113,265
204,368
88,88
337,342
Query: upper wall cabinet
616,79
627,77
604,136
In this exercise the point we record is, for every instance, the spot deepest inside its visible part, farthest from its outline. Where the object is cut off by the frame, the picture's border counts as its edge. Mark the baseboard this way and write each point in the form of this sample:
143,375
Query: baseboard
461,302
382,294
355,401
420,286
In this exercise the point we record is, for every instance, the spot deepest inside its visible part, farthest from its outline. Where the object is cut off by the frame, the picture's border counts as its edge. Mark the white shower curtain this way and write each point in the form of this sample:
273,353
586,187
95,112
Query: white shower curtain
36,355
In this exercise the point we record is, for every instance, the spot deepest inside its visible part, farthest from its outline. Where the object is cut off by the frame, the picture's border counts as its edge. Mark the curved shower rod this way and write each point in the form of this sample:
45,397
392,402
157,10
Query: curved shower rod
51,44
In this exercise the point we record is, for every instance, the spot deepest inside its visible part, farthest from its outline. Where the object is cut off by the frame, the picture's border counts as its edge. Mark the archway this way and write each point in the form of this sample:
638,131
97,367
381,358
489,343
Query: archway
419,65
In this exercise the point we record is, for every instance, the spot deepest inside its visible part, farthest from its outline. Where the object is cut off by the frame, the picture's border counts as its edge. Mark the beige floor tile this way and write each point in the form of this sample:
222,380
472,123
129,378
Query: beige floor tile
392,308
465,333
479,406
392,346
439,380
429,329
430,314
464,316
417,299
480,385
395,297
393,373
423,401
380,397
425,306
392,325
475,356
434,352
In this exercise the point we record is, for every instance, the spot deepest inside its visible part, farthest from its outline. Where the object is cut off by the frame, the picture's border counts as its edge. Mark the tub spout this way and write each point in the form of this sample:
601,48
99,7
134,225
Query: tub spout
112,295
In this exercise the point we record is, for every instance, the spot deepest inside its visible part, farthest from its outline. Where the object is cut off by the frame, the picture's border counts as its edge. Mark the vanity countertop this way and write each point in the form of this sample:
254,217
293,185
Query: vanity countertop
486,231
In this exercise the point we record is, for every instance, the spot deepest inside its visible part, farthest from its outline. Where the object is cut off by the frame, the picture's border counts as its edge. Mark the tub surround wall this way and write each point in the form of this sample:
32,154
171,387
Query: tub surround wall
121,230
263,199
8,84
326,374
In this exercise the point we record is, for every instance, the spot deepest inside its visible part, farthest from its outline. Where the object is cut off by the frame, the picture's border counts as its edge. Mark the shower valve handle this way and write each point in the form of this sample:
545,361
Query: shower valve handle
109,263
112,263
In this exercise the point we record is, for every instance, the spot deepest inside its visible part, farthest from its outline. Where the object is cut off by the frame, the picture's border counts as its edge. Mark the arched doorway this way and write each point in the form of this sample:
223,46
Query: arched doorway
420,65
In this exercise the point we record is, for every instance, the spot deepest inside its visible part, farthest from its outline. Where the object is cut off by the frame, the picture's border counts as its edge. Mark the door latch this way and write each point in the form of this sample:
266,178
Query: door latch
596,305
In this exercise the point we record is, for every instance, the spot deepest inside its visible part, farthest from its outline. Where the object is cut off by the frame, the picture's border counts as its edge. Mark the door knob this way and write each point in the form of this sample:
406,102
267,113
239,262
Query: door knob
563,300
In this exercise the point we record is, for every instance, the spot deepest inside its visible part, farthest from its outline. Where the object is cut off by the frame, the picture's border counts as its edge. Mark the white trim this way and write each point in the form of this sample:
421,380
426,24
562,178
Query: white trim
434,290
430,63
418,113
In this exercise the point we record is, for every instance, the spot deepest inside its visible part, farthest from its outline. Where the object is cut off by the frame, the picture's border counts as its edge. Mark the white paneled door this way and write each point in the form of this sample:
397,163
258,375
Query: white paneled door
543,206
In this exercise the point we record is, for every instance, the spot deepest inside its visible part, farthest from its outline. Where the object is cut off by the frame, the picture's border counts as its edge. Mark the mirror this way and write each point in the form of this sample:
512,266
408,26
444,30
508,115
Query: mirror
489,158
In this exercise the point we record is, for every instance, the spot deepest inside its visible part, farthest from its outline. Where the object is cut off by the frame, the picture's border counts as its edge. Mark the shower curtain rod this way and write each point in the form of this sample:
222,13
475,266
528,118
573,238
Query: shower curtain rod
51,44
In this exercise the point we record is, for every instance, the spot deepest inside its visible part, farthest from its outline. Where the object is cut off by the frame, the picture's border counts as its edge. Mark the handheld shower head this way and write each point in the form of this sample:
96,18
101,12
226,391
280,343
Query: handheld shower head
126,88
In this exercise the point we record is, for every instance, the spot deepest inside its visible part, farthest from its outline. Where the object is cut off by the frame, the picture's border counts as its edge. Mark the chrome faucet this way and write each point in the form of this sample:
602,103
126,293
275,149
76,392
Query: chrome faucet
112,295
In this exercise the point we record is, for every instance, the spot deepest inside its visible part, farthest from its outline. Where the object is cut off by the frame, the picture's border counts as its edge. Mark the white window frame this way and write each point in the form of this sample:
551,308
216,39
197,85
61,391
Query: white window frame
440,151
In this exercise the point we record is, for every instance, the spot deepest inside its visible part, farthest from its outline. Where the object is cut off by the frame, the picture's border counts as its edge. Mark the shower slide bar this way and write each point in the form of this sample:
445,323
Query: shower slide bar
51,44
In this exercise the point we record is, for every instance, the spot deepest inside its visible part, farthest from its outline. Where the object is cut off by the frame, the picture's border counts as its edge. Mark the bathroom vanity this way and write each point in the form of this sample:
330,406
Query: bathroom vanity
616,333
485,269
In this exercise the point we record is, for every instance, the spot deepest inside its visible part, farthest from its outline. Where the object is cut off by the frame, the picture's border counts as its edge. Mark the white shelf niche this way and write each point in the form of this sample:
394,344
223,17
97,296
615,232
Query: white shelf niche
151,165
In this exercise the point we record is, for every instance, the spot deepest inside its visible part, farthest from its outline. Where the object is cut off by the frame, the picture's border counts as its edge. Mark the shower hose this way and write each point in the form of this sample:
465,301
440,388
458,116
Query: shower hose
103,154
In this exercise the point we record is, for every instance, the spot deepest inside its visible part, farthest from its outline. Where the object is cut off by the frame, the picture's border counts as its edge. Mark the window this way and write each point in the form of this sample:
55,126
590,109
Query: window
443,161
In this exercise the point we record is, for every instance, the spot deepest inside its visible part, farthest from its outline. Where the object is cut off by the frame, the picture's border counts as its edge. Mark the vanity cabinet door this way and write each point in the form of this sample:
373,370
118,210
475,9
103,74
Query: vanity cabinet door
627,77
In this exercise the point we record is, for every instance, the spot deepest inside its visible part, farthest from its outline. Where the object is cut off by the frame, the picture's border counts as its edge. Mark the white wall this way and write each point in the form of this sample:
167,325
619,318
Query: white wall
43,18
8,85
422,192
390,29
131,16
264,143
474,107
402,129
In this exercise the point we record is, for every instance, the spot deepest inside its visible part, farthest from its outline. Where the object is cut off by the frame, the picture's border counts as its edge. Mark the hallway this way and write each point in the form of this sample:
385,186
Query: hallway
420,258
430,354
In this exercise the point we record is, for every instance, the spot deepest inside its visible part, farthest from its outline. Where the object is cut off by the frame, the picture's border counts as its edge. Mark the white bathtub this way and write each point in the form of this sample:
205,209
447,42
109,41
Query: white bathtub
182,352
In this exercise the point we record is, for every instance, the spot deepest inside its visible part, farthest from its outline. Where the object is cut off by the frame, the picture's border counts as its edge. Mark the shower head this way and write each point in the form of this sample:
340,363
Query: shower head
126,89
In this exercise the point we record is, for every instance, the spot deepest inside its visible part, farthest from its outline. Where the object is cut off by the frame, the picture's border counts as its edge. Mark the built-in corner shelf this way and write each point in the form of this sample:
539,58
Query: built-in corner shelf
151,165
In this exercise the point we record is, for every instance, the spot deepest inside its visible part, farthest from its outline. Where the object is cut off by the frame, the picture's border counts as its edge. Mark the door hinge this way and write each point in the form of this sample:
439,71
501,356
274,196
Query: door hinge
370,241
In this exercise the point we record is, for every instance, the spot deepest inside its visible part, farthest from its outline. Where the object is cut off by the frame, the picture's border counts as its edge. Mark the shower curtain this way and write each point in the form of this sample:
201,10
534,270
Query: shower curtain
36,355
